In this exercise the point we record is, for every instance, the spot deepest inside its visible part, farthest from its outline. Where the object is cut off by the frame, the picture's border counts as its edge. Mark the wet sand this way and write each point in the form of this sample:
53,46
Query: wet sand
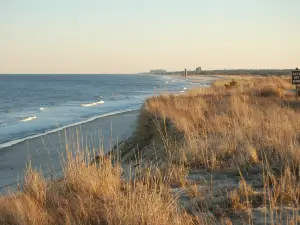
46,152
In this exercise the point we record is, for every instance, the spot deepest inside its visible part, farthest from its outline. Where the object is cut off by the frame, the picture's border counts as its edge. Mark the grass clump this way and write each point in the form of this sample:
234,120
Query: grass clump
224,128
91,194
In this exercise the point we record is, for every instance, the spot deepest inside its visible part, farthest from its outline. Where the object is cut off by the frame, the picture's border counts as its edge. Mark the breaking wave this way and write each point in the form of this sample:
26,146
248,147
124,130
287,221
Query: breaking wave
92,104
28,118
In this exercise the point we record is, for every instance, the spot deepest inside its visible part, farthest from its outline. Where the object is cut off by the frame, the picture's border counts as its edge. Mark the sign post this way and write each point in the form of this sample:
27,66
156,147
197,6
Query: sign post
296,80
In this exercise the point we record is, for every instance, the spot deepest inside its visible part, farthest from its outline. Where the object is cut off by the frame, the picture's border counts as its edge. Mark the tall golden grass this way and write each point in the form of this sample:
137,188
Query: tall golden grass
236,127
92,194
255,123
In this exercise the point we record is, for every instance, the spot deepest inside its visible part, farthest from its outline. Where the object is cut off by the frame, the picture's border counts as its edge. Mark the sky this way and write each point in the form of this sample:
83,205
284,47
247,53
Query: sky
130,36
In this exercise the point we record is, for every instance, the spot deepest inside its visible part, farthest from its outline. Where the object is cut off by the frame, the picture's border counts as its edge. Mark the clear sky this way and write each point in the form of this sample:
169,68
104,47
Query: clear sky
128,36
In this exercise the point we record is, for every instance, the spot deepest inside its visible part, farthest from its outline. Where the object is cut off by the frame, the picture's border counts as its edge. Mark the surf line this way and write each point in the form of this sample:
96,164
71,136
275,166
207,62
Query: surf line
92,104
29,118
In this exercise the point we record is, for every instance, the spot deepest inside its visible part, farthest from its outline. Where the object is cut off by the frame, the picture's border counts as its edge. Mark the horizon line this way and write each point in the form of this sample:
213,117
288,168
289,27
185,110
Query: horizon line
139,72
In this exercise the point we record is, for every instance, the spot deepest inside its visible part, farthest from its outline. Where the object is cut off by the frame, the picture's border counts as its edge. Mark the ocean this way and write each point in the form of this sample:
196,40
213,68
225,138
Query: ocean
34,105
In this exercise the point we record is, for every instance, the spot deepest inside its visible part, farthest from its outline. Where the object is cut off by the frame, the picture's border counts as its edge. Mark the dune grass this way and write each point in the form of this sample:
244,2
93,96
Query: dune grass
254,124
92,194
236,127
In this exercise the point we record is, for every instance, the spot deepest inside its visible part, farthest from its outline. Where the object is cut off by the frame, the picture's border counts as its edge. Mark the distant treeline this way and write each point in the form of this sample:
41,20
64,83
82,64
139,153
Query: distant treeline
243,72
248,72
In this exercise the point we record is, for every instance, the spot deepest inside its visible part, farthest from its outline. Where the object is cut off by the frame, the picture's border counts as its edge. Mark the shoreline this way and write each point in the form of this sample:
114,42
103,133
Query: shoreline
238,177
44,149
226,173
15,138
127,147
19,140
46,152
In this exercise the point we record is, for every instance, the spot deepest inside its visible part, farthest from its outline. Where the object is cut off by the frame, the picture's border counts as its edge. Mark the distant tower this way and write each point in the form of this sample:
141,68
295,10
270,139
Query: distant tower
185,72
198,70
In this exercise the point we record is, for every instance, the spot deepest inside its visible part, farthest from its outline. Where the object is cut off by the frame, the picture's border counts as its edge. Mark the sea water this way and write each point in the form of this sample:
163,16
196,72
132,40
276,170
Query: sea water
33,105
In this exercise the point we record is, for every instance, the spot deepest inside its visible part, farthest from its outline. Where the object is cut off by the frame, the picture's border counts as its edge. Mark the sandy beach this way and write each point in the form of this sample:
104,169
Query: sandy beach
187,165
46,152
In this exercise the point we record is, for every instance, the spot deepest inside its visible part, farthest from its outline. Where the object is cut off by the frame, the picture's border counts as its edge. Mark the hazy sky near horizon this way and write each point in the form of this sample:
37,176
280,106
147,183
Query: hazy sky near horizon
116,36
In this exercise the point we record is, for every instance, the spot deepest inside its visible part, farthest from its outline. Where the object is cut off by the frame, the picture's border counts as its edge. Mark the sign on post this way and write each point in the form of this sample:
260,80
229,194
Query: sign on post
296,77
296,81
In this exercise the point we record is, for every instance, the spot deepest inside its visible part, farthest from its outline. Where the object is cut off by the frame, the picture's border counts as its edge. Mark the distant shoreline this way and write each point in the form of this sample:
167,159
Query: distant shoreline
257,72
64,74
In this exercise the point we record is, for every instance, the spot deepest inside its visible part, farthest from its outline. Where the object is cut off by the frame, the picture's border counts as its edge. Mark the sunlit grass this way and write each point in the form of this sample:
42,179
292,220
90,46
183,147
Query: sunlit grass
253,124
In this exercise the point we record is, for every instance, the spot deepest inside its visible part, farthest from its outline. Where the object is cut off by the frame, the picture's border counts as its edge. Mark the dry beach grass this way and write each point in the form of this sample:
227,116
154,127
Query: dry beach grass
227,154
91,194
248,132
224,127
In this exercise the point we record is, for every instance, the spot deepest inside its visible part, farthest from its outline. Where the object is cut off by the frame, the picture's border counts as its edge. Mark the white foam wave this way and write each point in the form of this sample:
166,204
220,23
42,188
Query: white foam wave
92,104
42,109
13,142
28,118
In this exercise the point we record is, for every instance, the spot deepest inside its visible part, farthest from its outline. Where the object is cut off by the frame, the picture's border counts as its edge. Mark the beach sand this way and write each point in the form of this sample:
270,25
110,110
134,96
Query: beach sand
46,152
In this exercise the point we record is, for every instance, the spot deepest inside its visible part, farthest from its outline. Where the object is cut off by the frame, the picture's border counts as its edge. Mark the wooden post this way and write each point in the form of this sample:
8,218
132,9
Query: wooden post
296,81
297,88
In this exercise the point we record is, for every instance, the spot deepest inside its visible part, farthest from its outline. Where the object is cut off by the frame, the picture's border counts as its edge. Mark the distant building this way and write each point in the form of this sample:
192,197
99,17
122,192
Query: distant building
184,73
160,71
198,70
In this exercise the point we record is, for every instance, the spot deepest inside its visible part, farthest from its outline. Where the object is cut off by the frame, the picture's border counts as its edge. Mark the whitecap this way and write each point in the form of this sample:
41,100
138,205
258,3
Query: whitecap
29,118
92,104
42,108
